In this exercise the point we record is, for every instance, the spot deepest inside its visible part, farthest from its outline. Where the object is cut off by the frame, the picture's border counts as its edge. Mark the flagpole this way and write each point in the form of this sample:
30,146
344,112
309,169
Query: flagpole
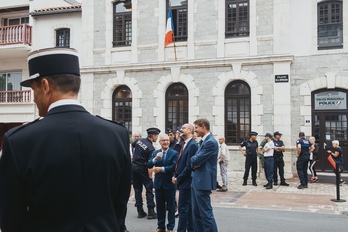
173,37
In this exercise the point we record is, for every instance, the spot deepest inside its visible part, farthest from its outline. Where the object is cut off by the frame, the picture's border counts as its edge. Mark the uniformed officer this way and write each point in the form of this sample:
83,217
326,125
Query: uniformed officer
143,149
302,155
251,150
278,156
70,170
174,143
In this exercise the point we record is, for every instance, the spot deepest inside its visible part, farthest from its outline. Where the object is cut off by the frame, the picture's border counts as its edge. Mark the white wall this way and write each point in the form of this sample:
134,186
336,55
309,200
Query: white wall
44,29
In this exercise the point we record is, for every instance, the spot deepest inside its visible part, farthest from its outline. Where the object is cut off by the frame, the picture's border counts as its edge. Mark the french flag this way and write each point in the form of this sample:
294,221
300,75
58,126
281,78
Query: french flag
169,38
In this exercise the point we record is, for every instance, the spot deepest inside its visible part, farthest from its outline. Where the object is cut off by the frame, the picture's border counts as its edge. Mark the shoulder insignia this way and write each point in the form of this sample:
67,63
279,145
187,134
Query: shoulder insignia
18,128
110,121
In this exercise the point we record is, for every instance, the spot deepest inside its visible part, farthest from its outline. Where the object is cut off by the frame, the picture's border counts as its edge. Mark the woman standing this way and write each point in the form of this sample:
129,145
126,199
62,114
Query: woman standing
313,159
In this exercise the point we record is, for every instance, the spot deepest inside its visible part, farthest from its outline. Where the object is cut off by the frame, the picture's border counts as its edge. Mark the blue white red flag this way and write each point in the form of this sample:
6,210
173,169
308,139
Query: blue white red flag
169,37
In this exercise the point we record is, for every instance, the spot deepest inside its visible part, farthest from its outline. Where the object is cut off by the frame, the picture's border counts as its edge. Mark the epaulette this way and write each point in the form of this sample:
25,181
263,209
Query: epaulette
110,121
15,129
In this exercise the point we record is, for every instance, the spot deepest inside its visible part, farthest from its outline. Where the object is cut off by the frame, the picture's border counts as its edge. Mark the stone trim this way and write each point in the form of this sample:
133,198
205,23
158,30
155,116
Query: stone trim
159,95
110,85
329,81
256,89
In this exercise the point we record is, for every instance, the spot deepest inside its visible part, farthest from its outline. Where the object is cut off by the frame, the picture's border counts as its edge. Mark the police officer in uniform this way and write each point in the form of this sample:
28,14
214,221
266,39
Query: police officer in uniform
278,156
174,143
251,150
70,170
143,149
302,155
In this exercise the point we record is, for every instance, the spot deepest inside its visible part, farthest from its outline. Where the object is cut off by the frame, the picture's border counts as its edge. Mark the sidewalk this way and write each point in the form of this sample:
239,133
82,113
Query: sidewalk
316,198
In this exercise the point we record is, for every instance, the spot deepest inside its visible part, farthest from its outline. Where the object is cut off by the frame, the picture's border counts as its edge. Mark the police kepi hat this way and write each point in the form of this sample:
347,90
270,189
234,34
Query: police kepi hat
170,131
153,131
253,133
277,133
301,134
52,61
268,135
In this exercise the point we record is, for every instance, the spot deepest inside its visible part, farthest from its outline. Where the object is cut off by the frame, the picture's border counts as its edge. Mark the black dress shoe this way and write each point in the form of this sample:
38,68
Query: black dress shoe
276,183
266,185
301,186
269,186
244,183
284,183
254,183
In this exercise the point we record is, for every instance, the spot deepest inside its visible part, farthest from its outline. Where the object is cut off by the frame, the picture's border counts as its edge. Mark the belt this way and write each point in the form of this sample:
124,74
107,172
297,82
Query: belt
266,157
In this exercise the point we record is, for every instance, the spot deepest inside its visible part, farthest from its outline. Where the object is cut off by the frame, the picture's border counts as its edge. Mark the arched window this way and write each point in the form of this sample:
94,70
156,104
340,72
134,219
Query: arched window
176,105
237,112
122,107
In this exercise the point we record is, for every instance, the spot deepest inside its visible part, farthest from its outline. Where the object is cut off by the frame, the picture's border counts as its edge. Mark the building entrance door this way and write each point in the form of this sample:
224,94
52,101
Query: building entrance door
329,127
329,122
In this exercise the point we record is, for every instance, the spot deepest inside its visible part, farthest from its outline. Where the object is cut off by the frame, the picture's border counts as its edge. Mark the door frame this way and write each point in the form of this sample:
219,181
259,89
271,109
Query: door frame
323,164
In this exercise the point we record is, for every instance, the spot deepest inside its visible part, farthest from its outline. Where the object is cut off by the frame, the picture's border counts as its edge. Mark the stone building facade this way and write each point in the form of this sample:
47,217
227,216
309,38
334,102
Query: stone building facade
282,40
282,61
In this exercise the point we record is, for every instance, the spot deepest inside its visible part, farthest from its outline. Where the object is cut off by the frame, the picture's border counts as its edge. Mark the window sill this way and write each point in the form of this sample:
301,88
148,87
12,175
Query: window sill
237,39
178,44
121,49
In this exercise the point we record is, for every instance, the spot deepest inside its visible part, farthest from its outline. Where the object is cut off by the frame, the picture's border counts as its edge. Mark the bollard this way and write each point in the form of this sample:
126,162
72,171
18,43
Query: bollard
337,171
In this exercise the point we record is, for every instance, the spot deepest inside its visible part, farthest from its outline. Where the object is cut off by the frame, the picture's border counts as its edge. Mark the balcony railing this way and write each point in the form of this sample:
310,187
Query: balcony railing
15,34
18,96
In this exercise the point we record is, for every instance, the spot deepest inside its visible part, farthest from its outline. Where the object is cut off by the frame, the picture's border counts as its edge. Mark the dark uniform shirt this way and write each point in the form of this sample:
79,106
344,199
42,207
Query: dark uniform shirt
250,147
305,144
143,149
176,145
339,158
278,143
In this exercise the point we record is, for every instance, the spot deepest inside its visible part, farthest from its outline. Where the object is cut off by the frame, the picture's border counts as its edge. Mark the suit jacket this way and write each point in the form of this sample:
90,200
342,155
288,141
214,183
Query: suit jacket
184,169
69,171
204,177
164,179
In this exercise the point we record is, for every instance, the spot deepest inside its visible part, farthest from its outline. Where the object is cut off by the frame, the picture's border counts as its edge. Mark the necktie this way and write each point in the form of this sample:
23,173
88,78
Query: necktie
200,142
164,156
177,161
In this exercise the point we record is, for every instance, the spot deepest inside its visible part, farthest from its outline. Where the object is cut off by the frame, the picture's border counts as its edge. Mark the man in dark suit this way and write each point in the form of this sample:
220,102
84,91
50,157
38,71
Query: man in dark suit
183,178
204,165
68,171
163,162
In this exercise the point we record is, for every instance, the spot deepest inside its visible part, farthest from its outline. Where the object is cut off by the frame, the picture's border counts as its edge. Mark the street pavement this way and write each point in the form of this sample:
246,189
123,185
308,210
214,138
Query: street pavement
283,208
316,198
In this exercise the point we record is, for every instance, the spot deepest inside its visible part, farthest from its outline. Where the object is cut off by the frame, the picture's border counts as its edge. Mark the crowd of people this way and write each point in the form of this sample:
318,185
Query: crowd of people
273,158
180,165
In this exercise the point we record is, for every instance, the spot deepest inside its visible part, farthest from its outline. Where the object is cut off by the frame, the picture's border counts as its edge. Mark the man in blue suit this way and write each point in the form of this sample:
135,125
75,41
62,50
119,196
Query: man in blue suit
163,160
204,165
183,178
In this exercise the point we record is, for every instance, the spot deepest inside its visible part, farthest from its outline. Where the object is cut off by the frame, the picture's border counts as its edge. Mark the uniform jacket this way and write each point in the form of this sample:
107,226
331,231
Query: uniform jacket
164,179
204,177
69,171
184,169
